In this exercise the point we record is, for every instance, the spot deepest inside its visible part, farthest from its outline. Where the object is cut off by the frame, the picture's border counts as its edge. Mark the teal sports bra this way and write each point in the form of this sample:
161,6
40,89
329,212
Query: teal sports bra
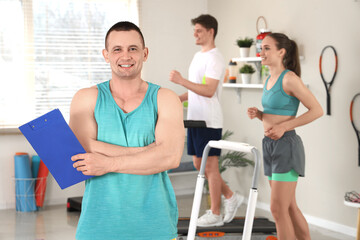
276,101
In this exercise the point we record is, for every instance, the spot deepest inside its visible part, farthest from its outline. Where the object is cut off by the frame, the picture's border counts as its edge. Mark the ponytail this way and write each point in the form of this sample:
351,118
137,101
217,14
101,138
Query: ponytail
291,59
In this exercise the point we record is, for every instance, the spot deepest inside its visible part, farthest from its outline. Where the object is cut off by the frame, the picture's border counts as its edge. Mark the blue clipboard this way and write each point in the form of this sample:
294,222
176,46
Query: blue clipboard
55,143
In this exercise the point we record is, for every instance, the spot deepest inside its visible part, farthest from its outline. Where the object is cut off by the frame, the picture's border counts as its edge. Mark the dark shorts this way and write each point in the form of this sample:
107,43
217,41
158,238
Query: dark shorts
197,138
284,154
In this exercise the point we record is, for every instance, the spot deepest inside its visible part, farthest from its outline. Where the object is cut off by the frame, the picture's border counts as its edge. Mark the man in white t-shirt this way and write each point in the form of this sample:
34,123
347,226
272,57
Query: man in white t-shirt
204,86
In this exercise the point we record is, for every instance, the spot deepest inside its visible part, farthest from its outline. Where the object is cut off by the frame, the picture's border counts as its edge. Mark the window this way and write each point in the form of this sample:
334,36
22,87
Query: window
51,49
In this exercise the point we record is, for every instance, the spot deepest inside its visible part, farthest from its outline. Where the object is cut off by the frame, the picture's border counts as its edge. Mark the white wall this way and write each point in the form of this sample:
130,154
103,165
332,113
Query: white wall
331,147
168,33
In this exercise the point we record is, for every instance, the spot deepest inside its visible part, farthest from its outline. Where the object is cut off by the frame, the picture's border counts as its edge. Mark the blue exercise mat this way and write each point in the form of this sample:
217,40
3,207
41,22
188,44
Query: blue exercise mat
55,143
24,184
35,163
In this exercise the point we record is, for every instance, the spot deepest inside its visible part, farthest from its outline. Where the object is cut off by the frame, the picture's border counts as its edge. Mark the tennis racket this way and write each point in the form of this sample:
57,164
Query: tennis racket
355,119
326,83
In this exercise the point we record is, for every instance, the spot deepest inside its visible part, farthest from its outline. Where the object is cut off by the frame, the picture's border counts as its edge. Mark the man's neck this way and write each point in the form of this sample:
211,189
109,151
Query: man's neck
126,87
207,47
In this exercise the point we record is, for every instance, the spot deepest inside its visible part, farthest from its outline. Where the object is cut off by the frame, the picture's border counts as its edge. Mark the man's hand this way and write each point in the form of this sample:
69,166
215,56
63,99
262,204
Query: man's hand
92,163
176,77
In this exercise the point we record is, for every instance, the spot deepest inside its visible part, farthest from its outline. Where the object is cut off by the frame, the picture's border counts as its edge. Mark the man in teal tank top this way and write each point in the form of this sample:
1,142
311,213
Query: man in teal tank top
133,133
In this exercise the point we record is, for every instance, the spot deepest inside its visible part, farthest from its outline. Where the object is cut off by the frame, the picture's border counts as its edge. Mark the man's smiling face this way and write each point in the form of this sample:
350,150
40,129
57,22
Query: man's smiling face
126,53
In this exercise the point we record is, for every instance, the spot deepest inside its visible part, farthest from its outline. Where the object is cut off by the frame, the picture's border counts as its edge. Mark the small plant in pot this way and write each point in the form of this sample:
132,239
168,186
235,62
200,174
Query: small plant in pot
246,72
244,44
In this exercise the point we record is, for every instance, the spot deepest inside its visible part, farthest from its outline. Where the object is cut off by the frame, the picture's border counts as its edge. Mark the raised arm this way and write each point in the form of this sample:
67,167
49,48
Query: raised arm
163,155
206,89
83,124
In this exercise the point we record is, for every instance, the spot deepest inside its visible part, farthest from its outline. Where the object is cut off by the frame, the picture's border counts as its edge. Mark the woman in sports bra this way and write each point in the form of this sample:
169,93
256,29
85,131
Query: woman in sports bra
283,151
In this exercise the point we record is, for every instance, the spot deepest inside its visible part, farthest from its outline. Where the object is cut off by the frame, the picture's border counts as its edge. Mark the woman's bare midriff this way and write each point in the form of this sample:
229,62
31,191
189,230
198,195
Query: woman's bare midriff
270,120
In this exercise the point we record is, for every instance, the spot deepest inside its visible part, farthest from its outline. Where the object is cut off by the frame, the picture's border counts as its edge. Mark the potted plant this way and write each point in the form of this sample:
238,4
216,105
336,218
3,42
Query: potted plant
246,72
244,44
232,158
229,159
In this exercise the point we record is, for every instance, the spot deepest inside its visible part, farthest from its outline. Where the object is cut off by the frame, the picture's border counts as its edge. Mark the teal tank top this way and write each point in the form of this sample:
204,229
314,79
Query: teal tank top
276,101
127,206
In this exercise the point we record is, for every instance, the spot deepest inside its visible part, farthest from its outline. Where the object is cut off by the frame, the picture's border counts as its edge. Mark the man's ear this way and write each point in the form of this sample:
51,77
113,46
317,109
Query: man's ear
105,54
212,31
146,54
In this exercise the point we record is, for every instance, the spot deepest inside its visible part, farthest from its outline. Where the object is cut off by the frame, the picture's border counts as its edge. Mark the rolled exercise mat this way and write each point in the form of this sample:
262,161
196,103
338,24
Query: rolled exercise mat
40,186
24,184
17,186
35,162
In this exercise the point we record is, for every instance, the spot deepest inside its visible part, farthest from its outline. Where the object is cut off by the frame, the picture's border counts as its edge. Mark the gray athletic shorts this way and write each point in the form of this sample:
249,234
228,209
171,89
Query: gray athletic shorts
284,154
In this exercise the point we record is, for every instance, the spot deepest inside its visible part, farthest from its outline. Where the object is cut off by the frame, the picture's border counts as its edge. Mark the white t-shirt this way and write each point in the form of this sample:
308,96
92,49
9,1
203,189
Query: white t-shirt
210,64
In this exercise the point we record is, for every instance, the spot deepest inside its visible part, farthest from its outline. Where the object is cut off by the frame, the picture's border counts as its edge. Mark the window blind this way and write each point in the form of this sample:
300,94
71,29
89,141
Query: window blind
51,49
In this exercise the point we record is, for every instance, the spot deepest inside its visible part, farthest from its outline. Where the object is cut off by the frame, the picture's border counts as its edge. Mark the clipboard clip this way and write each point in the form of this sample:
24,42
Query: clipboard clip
44,120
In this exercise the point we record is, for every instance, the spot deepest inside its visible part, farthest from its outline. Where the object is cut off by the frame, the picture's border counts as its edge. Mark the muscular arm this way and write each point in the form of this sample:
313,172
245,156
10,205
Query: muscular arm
207,89
82,120
163,155
83,124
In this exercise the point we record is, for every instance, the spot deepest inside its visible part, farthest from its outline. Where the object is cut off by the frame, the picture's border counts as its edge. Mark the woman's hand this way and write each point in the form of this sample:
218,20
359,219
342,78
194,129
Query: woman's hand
253,112
275,132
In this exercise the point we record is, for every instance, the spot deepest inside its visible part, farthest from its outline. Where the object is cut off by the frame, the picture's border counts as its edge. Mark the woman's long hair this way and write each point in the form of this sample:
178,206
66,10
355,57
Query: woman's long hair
291,59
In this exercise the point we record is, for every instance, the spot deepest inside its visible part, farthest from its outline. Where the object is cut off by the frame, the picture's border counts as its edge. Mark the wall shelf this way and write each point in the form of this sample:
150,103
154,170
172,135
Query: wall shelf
255,60
241,85
247,59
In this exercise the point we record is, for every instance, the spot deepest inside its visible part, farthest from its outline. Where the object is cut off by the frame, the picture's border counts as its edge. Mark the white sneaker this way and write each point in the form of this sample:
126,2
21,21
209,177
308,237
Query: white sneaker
231,205
210,220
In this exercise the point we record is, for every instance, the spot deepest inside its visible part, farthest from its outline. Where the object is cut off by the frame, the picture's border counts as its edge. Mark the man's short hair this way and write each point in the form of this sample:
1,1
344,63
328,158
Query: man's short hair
124,26
207,21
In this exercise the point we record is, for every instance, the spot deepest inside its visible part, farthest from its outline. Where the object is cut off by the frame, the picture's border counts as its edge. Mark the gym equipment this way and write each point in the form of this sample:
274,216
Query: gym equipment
328,84
40,184
74,204
355,120
260,225
250,211
35,163
24,184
